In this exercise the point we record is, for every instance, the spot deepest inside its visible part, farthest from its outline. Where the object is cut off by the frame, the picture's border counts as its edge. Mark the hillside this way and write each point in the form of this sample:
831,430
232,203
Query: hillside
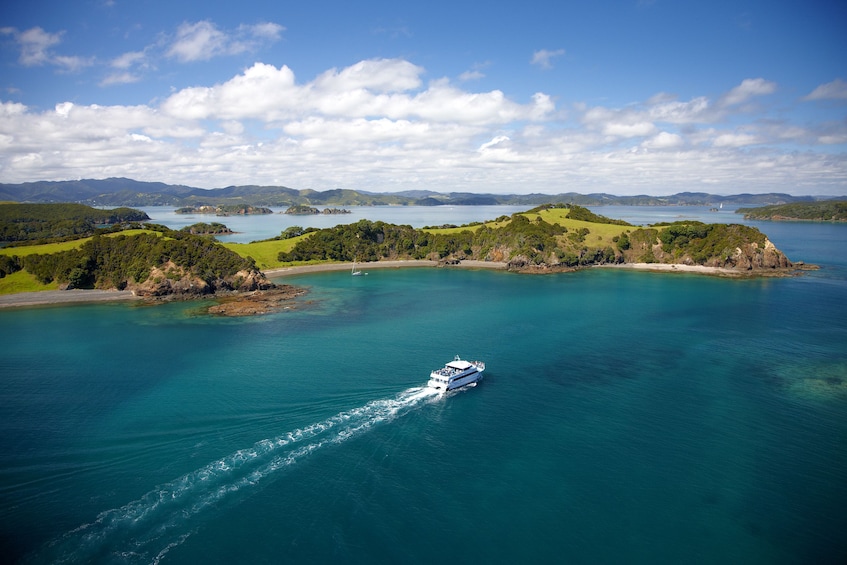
825,211
150,263
55,222
546,239
128,192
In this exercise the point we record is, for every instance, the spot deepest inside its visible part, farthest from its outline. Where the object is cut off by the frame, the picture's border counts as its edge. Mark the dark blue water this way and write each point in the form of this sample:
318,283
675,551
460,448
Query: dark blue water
624,417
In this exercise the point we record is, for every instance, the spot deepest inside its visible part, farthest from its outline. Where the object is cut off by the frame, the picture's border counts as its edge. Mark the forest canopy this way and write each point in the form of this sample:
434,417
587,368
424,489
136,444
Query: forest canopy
57,222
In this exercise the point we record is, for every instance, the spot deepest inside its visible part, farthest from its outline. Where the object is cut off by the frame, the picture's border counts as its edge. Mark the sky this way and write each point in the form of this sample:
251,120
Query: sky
616,96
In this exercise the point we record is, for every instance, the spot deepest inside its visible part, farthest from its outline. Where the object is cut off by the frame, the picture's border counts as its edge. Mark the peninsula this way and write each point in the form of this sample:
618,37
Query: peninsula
822,211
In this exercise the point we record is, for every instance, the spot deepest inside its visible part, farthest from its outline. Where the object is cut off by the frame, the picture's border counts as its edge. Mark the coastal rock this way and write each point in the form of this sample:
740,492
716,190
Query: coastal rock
752,257
259,302
172,281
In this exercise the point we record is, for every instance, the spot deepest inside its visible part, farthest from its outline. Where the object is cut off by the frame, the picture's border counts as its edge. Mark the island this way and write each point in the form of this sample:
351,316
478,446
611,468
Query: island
225,210
552,238
303,210
821,211
202,228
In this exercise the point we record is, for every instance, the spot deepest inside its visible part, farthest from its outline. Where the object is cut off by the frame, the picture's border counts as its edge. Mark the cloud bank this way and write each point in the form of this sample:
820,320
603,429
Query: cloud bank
379,125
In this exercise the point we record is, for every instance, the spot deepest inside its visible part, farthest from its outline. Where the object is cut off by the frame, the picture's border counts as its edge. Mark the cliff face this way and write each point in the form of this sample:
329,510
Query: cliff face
749,256
172,280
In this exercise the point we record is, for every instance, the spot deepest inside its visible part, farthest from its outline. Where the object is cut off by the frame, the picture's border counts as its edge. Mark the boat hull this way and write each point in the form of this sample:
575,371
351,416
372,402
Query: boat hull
456,374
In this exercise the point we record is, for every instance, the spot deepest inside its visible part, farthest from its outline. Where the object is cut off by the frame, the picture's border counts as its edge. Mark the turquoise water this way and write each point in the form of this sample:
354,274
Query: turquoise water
624,417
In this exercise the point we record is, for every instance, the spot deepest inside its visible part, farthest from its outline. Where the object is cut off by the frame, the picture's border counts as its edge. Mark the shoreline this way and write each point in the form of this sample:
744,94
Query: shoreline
401,264
76,296
670,268
79,296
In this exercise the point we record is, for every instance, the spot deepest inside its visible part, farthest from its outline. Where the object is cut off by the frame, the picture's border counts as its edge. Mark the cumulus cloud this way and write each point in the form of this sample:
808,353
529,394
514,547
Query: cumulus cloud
379,125
544,58
374,88
835,90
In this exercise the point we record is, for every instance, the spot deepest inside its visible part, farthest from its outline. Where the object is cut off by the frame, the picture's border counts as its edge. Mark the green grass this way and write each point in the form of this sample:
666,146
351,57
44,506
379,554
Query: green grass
265,252
600,234
23,282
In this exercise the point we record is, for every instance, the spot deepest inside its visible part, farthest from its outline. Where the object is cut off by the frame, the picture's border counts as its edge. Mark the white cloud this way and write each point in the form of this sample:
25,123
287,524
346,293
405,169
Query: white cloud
202,41
734,140
639,129
373,88
378,125
36,45
496,141
471,75
747,89
120,78
835,90
663,140
199,41
544,58
129,60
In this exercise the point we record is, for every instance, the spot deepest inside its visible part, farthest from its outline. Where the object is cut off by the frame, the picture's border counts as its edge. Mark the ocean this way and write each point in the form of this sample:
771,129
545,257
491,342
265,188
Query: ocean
624,417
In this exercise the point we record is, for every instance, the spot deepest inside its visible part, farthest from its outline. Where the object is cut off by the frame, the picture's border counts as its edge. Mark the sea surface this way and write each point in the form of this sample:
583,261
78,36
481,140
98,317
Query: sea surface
624,417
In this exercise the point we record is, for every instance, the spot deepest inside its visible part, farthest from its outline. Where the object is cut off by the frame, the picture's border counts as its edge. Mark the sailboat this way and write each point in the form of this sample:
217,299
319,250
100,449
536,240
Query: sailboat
353,270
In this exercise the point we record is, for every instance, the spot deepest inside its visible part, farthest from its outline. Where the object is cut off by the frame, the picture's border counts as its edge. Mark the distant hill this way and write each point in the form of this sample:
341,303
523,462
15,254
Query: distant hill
129,192
823,211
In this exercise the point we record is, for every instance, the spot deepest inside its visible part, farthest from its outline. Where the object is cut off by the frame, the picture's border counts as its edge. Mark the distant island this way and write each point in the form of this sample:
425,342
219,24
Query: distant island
823,211
202,228
304,210
225,210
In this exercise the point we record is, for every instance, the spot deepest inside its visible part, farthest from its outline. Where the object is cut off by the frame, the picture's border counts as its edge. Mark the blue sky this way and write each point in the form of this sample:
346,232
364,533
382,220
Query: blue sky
625,97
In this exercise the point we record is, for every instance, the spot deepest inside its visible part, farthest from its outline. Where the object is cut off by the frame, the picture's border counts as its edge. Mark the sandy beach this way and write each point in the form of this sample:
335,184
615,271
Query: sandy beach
668,268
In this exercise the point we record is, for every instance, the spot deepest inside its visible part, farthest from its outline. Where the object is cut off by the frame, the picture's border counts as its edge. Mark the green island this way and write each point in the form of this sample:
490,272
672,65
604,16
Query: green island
224,210
821,211
154,261
304,210
202,228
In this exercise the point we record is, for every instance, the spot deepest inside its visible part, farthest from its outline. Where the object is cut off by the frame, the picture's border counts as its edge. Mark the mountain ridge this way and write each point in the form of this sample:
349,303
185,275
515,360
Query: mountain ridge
118,191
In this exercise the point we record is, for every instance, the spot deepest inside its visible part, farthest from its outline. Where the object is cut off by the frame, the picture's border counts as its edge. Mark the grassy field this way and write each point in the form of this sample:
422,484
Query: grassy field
600,235
23,282
265,252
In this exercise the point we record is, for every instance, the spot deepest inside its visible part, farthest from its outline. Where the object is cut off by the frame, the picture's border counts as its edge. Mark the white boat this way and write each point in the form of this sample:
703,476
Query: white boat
457,373
354,272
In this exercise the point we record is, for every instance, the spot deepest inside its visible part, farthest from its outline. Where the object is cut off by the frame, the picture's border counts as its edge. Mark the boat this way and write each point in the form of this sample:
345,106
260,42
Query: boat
354,272
456,374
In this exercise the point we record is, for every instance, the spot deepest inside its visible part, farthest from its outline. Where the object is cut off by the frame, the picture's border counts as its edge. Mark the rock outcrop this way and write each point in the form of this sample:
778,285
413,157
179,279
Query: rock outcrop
173,281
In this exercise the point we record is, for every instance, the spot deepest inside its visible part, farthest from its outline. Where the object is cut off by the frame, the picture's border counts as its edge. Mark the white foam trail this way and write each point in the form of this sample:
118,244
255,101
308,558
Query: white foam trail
146,529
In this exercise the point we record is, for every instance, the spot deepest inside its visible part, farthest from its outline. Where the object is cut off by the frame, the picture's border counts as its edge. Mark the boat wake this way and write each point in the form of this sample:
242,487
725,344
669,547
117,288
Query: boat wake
145,530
